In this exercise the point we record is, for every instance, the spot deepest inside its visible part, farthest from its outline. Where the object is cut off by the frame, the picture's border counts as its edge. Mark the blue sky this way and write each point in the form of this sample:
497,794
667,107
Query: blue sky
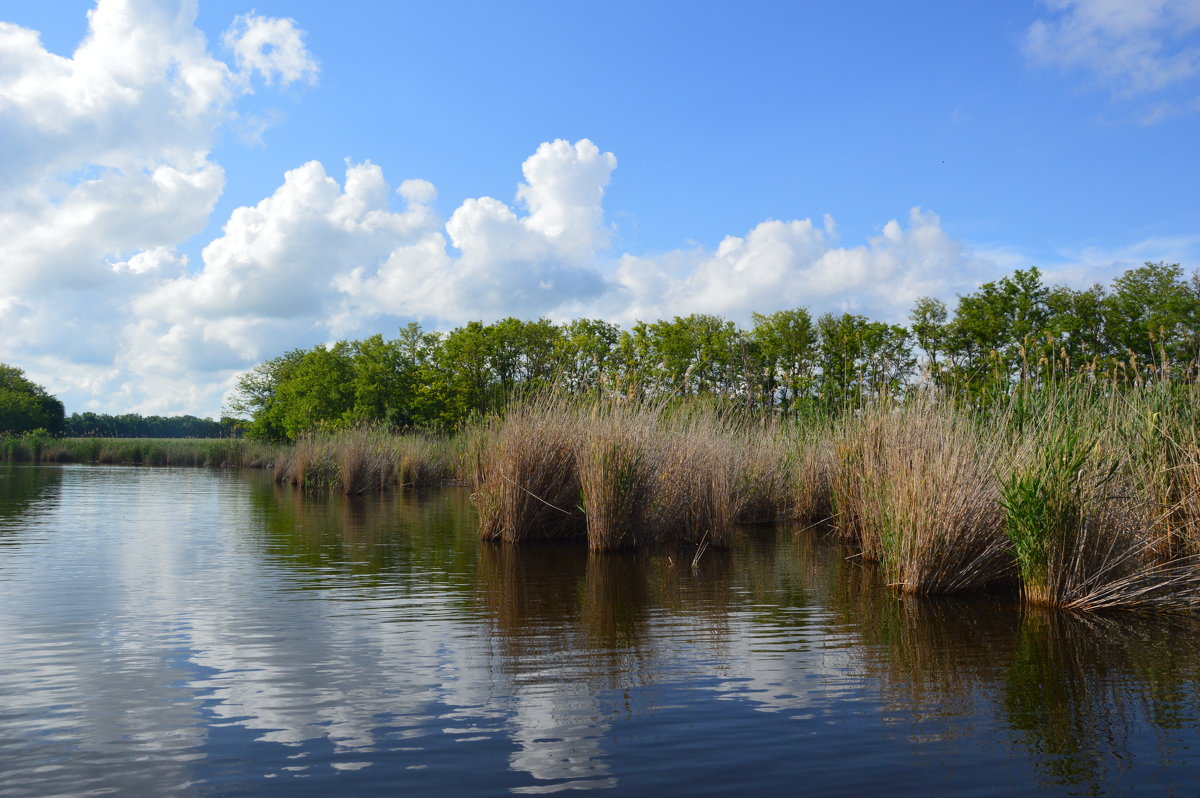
710,157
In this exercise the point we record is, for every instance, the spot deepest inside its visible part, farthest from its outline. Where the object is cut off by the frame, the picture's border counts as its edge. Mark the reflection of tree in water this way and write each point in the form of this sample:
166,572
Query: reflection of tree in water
1079,685
24,490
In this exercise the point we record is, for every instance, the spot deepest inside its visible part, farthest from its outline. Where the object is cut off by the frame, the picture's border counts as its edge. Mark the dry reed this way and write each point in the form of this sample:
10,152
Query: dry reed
366,459
915,489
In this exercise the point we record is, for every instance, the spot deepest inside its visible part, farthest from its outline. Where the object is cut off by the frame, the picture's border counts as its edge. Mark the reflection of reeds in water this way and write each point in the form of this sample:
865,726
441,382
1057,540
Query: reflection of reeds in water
1070,687
615,599
534,598
1078,684
330,533
557,602
930,655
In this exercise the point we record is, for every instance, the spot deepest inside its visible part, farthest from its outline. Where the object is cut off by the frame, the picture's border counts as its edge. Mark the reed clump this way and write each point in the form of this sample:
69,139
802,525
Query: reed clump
624,475
1080,508
811,458
367,459
1162,435
915,489
527,483
617,462
695,498
1082,497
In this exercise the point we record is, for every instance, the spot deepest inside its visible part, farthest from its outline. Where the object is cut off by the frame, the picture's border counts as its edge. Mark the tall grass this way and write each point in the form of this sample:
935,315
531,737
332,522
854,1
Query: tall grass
616,460
1086,497
526,480
211,452
1083,505
368,459
625,475
915,490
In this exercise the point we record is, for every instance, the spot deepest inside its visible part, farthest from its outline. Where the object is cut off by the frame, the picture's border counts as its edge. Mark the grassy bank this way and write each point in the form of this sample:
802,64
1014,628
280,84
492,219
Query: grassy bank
1081,497
210,452
370,459
1078,498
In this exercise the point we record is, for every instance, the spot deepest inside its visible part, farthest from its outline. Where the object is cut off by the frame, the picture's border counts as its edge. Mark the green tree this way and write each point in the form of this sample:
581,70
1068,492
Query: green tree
586,355
25,405
255,401
998,333
861,359
786,345
930,331
1153,315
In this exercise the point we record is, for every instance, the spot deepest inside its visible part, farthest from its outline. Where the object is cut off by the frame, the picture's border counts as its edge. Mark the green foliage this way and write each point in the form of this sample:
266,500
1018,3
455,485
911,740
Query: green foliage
1001,342
132,425
25,405
1043,506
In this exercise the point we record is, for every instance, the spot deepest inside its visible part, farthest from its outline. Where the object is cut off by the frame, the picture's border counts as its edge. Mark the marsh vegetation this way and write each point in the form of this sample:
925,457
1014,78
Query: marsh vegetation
1041,440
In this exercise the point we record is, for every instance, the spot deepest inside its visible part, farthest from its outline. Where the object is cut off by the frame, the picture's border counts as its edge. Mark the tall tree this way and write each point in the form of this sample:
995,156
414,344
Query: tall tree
25,405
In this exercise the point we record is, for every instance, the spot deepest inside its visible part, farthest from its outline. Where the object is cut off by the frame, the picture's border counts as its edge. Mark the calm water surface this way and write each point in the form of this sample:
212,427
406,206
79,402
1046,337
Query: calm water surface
195,632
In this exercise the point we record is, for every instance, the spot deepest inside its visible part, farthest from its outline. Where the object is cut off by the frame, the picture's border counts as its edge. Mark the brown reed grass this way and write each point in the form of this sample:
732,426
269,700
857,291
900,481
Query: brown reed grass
367,459
915,490
616,460
627,475
526,478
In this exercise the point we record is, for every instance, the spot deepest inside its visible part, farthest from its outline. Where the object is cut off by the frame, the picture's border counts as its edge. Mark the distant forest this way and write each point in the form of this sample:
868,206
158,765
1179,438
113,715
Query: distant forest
1016,331
132,425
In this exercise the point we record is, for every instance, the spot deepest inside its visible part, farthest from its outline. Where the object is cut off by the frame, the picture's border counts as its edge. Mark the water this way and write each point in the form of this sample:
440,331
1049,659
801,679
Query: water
196,632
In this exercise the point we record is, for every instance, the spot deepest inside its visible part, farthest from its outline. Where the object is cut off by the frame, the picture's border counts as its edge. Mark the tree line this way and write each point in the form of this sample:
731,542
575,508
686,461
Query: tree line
1010,332
133,425
26,406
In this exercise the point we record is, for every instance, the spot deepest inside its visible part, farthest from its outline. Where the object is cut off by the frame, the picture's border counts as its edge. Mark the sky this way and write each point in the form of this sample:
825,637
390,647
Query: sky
189,188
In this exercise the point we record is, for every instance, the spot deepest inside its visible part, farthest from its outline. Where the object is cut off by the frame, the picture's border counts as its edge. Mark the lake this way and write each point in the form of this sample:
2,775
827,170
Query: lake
206,632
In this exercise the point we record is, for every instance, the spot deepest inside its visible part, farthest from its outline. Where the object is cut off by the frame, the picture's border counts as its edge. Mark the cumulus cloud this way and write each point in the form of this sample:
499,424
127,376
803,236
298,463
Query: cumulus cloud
106,170
1130,48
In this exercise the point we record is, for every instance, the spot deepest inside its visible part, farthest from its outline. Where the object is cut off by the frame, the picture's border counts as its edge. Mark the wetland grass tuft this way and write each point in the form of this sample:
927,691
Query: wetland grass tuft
624,475
616,458
1080,505
915,489
526,479
367,459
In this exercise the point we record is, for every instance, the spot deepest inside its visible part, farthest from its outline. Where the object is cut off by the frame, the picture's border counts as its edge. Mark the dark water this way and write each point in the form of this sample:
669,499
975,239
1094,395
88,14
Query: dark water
194,632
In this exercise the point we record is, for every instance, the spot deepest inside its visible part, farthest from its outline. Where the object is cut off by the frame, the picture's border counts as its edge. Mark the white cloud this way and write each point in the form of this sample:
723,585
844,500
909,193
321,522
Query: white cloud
106,170
271,47
1128,47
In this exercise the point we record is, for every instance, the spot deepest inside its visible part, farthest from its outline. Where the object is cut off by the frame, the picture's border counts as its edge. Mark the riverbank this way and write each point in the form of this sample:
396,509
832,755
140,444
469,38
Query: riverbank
204,452
1079,497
